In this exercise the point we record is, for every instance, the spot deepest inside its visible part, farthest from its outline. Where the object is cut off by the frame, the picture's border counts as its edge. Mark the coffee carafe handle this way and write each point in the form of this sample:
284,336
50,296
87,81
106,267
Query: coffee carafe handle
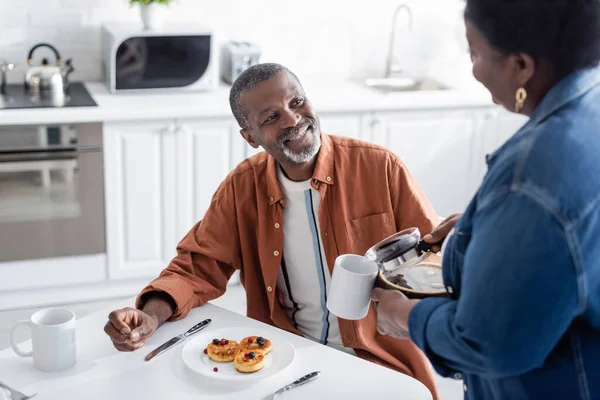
424,246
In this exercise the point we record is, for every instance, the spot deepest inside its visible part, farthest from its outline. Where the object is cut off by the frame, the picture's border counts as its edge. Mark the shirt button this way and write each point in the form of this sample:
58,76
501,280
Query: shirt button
271,198
277,225
450,290
269,289
457,375
465,387
276,253
328,179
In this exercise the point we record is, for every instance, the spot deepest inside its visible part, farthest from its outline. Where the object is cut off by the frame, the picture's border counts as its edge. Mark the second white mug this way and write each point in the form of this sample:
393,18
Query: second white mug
352,282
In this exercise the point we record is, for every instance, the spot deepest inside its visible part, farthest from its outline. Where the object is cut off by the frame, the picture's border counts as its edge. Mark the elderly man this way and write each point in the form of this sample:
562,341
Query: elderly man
281,218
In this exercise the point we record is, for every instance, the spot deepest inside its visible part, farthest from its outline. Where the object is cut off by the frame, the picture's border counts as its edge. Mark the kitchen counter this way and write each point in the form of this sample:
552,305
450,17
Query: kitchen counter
328,95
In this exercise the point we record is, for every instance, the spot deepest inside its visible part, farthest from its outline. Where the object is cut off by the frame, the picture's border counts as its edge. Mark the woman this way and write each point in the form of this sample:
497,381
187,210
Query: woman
522,269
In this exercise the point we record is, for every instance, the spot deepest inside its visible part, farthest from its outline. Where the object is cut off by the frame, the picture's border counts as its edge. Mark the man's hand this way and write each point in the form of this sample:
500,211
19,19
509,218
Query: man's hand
129,328
393,309
440,233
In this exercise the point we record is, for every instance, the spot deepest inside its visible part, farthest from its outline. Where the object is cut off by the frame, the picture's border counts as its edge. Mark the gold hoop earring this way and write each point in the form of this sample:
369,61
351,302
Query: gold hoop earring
521,97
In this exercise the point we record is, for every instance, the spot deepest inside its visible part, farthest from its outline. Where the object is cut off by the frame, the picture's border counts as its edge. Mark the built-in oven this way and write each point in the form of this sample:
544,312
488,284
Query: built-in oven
51,191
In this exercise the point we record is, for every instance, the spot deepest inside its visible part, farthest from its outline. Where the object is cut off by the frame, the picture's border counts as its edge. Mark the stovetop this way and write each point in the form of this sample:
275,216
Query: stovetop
16,96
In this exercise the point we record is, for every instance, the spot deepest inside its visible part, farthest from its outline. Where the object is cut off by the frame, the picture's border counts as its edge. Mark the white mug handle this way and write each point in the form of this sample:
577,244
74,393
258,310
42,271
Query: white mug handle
13,341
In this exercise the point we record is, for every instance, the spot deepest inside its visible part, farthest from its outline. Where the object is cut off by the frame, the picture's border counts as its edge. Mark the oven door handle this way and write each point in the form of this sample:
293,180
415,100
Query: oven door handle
48,158
50,149
22,164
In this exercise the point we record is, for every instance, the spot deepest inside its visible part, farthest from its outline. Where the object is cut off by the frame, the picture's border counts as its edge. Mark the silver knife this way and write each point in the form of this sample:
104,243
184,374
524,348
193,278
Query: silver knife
305,379
172,342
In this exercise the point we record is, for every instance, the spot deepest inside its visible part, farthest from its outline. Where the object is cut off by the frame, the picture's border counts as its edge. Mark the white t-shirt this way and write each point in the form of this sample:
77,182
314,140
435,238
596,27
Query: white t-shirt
304,278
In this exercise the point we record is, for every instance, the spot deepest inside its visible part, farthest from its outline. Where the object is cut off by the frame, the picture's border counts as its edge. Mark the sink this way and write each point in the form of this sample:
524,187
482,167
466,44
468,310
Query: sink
403,84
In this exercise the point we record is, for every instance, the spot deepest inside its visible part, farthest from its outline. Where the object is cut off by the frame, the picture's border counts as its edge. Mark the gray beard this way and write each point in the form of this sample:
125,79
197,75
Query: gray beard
306,154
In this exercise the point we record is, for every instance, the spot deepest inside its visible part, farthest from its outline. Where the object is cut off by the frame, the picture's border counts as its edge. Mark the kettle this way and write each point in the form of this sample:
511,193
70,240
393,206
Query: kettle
46,77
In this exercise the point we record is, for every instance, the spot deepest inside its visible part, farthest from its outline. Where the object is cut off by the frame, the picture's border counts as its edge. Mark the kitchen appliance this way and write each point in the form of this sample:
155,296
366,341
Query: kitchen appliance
407,263
15,96
177,57
236,57
44,85
47,77
51,191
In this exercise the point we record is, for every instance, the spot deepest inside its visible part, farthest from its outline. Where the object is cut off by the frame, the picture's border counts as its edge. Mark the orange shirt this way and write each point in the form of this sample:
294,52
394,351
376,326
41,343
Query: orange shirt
367,194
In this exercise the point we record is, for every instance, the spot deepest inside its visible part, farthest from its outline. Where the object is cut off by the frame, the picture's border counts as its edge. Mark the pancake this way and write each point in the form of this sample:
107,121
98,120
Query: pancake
246,363
222,352
250,343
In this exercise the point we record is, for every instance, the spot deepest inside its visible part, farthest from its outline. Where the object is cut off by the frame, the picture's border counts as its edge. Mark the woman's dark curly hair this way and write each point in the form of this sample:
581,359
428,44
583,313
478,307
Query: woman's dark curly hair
564,32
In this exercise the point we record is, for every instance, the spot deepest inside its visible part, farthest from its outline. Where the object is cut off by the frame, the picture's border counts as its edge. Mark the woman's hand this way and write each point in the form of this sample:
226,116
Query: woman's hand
440,233
393,309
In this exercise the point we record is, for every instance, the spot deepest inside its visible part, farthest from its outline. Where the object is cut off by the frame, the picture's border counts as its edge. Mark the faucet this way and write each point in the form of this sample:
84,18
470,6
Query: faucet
390,66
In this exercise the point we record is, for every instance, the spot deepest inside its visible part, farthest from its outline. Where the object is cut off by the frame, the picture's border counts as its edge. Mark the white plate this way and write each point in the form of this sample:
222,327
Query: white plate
280,357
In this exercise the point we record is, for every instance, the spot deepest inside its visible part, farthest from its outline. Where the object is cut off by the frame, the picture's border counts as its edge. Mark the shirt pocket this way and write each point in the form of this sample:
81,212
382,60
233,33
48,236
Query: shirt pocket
365,232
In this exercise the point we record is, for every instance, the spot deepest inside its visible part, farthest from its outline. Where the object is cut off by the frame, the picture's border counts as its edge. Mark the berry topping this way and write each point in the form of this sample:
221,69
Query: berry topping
260,339
226,341
250,340
215,341
216,369
251,355
205,351
222,342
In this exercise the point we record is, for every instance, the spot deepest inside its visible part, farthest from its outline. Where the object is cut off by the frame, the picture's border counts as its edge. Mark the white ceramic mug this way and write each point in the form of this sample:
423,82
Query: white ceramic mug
52,339
352,282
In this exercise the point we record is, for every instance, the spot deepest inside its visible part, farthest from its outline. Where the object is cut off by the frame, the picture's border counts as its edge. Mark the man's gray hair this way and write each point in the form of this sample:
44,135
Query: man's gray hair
248,80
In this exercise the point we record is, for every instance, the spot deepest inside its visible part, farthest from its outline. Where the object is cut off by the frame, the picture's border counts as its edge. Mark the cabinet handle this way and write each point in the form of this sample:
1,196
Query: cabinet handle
375,123
377,134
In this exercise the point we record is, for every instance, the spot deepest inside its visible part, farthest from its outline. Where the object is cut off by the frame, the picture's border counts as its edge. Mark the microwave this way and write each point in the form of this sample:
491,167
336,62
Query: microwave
172,58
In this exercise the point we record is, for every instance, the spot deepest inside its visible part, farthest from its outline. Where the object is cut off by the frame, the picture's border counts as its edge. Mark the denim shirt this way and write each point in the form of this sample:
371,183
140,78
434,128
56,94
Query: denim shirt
522,270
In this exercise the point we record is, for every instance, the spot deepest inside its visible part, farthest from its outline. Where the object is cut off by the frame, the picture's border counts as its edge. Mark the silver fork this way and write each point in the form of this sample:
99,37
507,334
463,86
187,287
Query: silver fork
15,394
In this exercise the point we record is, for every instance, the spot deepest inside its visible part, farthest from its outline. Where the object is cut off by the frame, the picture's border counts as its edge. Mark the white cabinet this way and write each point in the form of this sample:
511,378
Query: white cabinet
354,125
159,180
204,161
141,197
499,129
498,126
439,150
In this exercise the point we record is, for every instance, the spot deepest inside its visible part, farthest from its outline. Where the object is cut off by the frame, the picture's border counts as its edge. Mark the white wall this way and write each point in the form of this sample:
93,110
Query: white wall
309,36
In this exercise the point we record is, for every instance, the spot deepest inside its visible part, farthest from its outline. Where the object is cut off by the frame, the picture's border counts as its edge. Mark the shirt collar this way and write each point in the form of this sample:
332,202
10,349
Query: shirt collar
323,170
568,89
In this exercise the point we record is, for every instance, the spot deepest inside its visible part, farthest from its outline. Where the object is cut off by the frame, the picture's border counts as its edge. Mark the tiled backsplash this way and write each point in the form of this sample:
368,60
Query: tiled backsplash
309,36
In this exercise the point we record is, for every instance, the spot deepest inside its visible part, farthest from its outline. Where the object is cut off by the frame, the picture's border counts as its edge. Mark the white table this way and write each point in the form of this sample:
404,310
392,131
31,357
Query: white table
102,372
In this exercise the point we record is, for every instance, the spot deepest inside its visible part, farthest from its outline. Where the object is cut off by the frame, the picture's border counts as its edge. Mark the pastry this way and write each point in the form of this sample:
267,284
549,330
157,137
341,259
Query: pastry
248,362
222,350
257,344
